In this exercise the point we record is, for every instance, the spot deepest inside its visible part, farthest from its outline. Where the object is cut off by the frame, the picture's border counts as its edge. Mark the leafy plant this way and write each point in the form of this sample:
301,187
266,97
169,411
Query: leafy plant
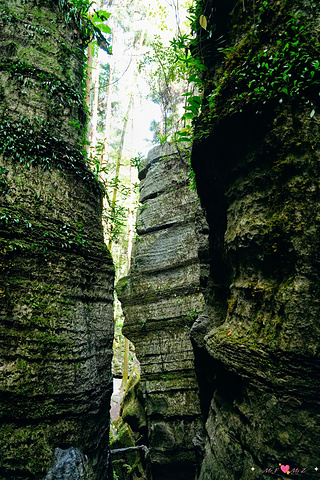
166,78
89,27
287,68
183,47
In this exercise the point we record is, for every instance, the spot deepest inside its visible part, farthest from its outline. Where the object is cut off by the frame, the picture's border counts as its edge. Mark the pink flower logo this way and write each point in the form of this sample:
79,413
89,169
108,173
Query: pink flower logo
285,468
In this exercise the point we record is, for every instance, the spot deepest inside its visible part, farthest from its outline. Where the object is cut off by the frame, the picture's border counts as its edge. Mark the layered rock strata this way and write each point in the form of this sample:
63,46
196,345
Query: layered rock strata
56,322
161,297
256,158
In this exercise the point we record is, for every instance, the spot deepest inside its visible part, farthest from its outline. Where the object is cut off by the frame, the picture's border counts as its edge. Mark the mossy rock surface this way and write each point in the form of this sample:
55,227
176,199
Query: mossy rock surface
256,159
56,276
126,465
161,298
132,405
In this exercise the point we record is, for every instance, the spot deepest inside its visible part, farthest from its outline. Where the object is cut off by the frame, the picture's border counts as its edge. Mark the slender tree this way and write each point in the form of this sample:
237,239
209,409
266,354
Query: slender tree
130,233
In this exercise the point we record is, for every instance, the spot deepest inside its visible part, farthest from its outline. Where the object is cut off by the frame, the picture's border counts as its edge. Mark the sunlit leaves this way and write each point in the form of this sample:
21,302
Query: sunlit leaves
203,22
88,27
98,20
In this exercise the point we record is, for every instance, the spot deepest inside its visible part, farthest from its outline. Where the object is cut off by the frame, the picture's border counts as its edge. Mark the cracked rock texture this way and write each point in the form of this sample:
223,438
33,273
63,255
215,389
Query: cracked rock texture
161,297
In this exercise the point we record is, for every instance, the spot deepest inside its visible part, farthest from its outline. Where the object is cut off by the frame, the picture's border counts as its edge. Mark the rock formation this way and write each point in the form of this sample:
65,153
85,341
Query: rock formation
161,297
256,344
69,464
256,158
56,322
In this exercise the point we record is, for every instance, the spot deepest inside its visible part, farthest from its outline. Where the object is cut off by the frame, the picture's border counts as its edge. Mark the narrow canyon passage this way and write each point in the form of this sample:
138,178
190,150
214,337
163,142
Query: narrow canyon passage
208,235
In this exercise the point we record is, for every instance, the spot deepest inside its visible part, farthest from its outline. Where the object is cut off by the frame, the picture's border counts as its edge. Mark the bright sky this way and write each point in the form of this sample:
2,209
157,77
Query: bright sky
141,127
144,110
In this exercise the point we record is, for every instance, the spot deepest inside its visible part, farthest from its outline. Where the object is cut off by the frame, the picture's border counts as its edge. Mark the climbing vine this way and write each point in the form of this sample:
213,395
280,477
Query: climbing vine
28,76
35,143
64,236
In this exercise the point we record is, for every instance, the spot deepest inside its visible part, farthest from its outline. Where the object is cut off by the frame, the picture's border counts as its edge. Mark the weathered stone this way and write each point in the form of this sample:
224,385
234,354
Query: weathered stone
127,462
56,322
257,171
161,297
69,464
132,405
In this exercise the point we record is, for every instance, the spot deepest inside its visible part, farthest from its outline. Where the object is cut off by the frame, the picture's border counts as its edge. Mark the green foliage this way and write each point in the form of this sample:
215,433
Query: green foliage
4,186
69,236
37,143
137,161
77,12
184,48
196,10
166,79
29,77
115,214
177,73
286,68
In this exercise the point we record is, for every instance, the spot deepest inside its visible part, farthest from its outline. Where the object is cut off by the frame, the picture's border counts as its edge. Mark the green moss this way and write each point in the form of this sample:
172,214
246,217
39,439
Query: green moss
66,236
271,58
27,75
54,271
28,448
128,463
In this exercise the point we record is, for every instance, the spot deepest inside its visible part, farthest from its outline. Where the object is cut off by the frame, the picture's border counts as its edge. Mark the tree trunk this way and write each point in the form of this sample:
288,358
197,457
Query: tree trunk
121,143
95,72
107,116
117,172
125,373
130,232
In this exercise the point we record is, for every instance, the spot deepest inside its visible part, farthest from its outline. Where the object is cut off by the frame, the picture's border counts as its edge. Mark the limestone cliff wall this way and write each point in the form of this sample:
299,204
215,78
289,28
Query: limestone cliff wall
161,297
256,158
56,322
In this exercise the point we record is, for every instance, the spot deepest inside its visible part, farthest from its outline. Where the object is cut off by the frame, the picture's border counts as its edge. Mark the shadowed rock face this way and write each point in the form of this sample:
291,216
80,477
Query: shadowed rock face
56,322
161,297
257,171
69,464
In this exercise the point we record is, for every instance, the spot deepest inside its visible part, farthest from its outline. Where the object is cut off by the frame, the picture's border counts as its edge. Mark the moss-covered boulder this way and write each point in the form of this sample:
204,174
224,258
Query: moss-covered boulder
132,406
127,464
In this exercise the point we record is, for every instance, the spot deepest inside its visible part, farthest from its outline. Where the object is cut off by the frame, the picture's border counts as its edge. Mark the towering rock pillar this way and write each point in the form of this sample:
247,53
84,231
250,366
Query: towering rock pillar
256,158
161,298
56,280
